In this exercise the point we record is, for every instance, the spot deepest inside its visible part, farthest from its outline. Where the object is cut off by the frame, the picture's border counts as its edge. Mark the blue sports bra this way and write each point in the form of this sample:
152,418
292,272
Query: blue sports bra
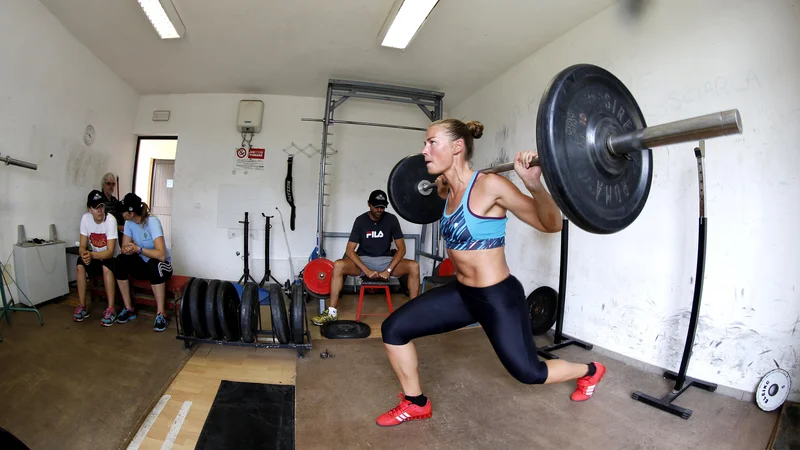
463,230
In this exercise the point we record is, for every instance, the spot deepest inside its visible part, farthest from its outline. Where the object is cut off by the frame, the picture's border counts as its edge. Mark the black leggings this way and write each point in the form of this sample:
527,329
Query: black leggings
154,270
501,310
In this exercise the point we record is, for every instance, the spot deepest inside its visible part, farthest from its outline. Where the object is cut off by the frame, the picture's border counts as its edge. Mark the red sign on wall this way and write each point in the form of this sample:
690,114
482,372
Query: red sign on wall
256,153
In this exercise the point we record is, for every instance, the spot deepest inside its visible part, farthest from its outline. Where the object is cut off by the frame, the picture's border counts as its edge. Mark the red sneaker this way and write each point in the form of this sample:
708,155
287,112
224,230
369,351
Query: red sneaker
587,384
404,412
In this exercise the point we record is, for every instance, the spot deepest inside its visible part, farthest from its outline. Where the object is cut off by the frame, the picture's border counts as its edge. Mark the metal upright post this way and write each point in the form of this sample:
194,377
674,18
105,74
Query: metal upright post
682,382
561,340
323,155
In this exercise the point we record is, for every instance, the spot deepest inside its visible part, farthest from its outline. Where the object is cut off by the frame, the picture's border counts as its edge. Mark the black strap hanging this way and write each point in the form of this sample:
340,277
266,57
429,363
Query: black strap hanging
289,195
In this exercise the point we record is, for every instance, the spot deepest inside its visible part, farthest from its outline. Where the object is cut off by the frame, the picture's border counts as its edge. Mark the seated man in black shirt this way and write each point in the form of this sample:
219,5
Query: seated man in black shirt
373,232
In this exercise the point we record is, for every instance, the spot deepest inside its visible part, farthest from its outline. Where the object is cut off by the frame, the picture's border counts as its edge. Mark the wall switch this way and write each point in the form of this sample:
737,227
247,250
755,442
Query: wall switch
197,205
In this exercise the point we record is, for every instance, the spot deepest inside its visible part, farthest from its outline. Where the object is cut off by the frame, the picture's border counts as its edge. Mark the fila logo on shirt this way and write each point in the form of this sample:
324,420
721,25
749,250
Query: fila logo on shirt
375,234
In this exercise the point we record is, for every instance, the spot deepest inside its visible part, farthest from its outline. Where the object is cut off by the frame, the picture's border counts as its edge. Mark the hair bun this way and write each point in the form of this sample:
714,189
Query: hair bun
475,128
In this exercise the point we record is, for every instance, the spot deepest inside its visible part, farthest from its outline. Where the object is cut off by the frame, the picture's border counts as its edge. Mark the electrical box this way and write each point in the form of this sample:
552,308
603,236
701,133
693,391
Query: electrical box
250,114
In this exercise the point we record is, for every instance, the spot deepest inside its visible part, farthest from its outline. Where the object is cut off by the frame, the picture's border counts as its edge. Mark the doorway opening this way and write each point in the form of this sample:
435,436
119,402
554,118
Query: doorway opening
153,178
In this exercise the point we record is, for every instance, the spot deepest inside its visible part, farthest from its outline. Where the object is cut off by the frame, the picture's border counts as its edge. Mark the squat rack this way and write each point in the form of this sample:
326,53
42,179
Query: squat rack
339,91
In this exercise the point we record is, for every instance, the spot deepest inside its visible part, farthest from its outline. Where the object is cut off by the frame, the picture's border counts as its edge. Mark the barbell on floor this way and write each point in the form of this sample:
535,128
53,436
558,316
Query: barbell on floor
593,148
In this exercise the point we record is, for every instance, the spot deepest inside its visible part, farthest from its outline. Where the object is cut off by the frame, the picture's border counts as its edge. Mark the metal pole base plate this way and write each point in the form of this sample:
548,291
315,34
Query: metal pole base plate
665,403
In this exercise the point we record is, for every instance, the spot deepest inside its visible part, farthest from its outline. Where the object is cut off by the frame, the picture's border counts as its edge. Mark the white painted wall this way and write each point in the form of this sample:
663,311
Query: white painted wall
51,87
632,292
209,198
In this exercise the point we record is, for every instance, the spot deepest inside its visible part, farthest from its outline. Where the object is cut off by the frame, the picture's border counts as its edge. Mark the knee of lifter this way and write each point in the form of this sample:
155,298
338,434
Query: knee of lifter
389,332
107,270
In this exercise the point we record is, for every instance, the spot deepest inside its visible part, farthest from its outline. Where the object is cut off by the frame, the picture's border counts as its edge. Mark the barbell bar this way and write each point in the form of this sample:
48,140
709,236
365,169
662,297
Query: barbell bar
16,162
723,123
594,149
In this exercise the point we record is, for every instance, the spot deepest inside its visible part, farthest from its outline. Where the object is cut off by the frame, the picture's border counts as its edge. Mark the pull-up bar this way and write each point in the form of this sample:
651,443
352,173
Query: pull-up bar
15,162
370,124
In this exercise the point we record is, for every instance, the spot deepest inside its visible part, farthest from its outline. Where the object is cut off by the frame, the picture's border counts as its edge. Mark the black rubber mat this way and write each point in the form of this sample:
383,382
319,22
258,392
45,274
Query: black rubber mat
250,416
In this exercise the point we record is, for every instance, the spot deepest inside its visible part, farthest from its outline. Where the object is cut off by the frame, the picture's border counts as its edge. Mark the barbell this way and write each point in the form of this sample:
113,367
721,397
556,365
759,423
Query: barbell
594,149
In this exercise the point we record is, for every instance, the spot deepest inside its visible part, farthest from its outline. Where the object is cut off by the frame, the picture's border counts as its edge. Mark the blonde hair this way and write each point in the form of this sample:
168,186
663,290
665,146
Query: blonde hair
107,176
468,131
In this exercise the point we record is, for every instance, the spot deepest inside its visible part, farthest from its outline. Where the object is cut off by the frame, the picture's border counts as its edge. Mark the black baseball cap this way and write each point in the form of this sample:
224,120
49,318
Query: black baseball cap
132,203
378,198
95,199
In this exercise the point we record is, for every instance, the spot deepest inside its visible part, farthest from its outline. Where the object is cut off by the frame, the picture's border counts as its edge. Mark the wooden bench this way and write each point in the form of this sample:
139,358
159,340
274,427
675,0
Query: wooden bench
174,290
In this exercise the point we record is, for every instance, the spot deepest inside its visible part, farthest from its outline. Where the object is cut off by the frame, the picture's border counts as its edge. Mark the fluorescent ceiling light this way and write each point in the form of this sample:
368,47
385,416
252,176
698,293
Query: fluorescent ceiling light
164,17
405,21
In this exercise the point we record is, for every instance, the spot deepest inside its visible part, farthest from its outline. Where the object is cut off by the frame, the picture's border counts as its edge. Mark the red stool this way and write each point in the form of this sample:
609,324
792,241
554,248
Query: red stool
368,284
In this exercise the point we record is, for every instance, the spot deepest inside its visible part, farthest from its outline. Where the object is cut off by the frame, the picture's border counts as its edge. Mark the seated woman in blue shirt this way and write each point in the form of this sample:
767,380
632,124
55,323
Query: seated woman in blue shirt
144,255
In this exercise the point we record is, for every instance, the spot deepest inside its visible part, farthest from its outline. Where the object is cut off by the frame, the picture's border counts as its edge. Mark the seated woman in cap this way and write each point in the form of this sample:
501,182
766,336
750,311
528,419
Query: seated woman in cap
98,244
144,255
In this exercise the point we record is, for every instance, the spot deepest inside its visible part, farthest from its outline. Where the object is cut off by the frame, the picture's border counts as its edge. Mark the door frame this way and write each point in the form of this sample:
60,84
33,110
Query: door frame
136,156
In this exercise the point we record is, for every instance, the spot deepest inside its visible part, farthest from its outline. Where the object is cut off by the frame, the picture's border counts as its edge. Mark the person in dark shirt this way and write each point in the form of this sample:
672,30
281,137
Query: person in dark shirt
113,206
369,253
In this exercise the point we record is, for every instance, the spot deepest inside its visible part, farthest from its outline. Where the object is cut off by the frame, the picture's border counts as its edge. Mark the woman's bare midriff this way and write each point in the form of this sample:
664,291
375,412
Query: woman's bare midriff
480,268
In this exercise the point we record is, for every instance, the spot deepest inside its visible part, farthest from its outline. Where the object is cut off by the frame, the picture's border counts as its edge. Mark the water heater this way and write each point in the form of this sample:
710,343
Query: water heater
250,114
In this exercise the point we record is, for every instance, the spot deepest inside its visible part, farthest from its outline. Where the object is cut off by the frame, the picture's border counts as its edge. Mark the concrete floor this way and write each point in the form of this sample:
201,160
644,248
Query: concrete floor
476,404
68,385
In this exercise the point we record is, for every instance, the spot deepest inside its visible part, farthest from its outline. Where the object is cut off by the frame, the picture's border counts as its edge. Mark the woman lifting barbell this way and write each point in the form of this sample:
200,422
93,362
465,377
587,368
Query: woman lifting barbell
473,225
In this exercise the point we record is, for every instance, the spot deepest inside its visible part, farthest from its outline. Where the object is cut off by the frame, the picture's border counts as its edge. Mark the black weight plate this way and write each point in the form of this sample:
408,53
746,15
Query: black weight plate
228,311
210,305
248,313
277,307
197,295
345,329
184,313
542,307
404,195
599,192
298,310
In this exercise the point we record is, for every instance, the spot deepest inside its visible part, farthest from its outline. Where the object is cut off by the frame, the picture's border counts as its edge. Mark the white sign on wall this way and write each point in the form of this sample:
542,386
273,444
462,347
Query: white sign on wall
252,159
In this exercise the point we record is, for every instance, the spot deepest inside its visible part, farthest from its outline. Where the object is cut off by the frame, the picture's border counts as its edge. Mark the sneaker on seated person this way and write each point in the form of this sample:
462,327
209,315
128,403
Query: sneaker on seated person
125,315
160,323
329,315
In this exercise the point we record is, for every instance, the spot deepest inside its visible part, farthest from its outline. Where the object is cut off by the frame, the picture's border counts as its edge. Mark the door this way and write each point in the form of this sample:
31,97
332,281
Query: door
161,195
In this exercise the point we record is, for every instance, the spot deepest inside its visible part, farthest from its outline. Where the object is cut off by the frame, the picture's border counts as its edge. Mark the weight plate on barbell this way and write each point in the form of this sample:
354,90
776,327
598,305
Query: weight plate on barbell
599,192
404,195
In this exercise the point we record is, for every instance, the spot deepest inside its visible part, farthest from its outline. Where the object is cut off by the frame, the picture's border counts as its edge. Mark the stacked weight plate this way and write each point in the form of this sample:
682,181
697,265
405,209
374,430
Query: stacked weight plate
212,309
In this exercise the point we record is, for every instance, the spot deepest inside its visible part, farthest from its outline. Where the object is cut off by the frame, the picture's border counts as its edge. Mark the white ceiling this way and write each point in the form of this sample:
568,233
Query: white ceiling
293,47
